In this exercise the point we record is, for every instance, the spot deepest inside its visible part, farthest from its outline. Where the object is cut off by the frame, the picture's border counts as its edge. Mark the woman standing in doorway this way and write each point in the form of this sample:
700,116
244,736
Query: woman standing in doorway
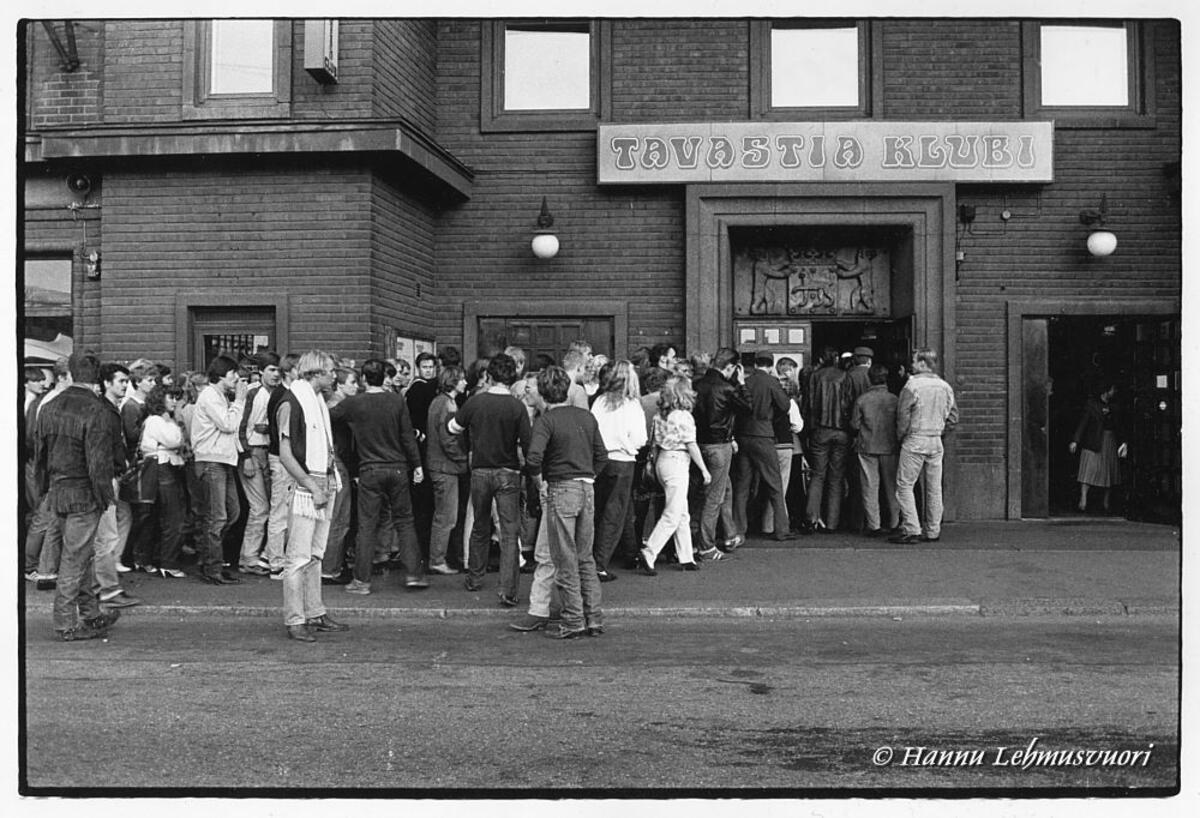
1096,442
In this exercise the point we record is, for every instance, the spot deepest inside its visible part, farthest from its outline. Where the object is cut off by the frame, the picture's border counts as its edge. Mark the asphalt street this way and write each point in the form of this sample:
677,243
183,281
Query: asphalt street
216,705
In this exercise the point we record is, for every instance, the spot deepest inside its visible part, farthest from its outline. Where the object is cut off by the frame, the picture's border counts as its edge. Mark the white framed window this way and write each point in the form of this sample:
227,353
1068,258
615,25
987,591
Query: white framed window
1088,74
235,69
809,68
242,57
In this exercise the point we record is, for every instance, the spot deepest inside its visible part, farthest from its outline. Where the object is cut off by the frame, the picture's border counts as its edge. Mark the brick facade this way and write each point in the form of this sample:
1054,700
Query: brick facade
363,249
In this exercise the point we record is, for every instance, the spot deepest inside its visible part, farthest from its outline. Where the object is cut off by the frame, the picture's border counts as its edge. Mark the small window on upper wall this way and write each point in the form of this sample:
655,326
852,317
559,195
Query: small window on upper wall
236,69
550,76
810,68
1088,75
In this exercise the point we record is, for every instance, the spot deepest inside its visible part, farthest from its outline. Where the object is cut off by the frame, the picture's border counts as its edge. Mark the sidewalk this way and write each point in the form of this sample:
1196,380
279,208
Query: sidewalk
1073,567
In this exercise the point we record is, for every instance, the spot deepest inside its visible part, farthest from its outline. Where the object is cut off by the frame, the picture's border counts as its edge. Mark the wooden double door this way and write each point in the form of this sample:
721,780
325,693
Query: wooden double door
544,335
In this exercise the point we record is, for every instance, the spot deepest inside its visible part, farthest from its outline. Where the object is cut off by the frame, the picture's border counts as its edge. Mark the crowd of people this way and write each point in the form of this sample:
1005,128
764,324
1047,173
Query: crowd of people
318,471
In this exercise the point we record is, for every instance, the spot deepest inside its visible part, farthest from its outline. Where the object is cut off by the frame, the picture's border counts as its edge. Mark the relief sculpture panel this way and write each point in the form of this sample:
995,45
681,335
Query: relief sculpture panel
791,279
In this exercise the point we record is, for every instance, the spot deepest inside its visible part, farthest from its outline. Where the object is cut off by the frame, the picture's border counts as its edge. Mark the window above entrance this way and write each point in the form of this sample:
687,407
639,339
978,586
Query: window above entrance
544,76
810,69
1088,75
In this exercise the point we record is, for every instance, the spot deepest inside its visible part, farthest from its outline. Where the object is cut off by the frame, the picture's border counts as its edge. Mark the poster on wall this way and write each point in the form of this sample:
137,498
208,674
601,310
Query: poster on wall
406,348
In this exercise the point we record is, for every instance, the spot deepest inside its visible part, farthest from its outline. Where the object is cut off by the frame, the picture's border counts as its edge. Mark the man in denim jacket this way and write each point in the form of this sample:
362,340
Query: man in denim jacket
926,410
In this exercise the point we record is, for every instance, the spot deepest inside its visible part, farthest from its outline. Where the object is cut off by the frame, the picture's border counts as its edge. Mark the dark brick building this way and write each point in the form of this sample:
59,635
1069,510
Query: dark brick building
369,186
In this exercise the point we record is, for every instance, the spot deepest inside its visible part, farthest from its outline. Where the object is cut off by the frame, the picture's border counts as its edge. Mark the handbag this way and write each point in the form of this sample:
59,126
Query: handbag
139,483
648,479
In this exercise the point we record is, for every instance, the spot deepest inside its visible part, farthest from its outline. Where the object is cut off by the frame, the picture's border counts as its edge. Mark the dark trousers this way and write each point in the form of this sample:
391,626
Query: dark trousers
160,540
219,510
504,487
756,456
380,488
614,493
827,457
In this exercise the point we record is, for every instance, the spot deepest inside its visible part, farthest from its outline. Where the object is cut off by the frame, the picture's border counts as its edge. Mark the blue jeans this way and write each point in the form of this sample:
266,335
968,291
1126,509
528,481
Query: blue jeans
718,494
43,542
257,490
75,593
377,487
219,509
920,453
614,493
302,564
504,487
570,514
447,512
827,459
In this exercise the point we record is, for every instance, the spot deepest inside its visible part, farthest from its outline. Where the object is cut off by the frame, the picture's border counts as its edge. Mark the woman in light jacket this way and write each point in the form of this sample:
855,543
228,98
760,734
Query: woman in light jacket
674,450
618,412
163,439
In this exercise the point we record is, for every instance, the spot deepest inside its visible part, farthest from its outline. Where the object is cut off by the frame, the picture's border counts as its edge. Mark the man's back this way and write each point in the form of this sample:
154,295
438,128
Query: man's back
381,427
827,399
74,441
767,398
926,406
496,424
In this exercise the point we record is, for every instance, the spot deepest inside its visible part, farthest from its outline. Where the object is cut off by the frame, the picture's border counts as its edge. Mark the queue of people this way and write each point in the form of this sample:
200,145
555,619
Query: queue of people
315,471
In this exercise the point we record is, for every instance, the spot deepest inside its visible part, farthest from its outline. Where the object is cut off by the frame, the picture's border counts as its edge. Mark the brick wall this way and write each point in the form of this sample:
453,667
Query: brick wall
405,64
300,230
404,295
61,98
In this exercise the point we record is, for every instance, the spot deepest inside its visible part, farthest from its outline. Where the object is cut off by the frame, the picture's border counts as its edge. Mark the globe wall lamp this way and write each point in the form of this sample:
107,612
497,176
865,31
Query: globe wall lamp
545,243
1100,242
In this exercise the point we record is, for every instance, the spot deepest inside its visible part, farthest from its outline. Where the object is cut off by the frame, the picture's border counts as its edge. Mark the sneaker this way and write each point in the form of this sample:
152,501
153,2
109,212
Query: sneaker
529,622
415,583
734,543
473,584
122,568
257,570
277,573
172,573
606,576
149,569
120,600
508,601
32,576
103,621
358,587
81,632
442,568
563,632
713,554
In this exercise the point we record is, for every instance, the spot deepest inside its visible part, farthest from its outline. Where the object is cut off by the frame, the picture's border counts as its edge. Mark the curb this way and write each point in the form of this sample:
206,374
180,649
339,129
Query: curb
940,608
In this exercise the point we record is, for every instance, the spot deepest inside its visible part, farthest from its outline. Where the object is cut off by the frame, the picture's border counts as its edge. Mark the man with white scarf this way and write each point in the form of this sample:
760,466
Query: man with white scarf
306,451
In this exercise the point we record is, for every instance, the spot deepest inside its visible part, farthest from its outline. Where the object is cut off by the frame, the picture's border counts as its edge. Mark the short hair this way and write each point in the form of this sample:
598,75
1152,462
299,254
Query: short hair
677,393
140,371
653,380
34,373
581,345
829,355
502,369
448,379
553,383
764,359
84,367
476,371
426,356
724,357
928,356
314,362
701,359
877,374
621,383
640,356
450,356
220,367
543,361
574,359
389,369
785,363
156,400
374,371
343,373
62,368
518,355
109,371
288,362
658,351
266,358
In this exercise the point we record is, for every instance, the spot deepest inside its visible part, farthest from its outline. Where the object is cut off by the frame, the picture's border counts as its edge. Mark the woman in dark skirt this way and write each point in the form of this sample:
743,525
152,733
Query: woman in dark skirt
1099,449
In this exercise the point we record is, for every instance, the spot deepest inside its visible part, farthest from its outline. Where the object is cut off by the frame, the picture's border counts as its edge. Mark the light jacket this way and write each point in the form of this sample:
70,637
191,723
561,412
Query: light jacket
926,407
214,430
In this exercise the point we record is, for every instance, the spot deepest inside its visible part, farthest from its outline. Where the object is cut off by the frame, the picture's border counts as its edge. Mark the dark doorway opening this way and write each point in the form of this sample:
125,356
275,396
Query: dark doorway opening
1140,356
891,340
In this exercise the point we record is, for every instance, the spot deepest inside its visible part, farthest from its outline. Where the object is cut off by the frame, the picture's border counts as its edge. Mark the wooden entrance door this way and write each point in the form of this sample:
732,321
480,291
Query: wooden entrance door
1155,428
545,335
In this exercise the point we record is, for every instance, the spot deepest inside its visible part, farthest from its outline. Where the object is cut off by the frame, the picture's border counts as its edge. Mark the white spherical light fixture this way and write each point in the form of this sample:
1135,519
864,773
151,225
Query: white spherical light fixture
1101,243
545,243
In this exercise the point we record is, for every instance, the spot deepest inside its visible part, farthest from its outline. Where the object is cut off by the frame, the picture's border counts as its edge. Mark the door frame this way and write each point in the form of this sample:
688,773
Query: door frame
618,311
1018,310
186,301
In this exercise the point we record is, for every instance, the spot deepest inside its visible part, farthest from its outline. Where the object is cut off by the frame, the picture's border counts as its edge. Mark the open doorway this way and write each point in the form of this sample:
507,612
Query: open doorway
1140,357
891,341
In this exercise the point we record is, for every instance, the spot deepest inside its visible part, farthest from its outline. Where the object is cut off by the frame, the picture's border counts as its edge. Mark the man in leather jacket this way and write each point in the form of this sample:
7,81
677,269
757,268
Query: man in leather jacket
720,397
826,415
755,432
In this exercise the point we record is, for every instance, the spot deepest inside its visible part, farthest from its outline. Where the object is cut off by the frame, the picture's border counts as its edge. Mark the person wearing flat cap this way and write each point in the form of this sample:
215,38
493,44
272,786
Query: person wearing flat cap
856,384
